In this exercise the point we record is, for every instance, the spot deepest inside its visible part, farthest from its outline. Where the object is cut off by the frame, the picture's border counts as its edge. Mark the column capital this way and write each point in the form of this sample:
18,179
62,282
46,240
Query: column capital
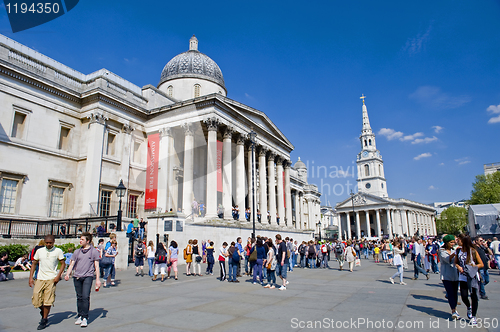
241,139
228,133
271,155
262,151
97,118
279,161
287,164
188,129
212,123
166,131
127,129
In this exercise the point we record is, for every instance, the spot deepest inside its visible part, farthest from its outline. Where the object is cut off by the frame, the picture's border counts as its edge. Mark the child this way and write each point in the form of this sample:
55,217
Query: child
376,250
68,256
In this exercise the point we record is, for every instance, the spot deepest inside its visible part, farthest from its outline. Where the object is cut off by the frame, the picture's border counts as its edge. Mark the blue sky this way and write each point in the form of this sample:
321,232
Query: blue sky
430,71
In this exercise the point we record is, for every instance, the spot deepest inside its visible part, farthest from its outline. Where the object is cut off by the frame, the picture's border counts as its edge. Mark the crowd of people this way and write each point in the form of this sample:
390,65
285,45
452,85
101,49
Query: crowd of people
463,264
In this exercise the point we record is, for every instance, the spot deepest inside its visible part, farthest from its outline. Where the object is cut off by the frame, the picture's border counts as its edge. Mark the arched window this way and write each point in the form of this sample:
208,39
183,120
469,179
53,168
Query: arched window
365,142
197,90
369,142
170,91
367,170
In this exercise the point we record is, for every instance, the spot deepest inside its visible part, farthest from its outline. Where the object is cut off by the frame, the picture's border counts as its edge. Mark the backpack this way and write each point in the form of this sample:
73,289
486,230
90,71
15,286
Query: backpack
361,246
338,249
302,249
323,248
236,256
139,251
357,247
311,251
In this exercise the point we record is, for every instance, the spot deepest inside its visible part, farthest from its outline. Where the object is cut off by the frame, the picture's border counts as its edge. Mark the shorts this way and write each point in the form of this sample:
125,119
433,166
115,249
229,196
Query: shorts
281,270
44,293
139,261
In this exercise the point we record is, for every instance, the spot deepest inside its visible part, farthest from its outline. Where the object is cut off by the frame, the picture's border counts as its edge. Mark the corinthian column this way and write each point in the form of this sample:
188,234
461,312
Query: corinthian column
187,182
249,181
262,185
368,230
227,175
272,188
212,126
358,226
288,196
280,184
163,168
240,176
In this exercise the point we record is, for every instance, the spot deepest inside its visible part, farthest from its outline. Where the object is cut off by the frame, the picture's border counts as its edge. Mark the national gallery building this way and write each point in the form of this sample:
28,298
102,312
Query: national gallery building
67,139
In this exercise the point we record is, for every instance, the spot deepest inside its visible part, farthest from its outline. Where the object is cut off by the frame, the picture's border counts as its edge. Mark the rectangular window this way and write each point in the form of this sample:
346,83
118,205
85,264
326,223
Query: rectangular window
64,139
19,125
110,146
105,205
56,202
132,206
8,196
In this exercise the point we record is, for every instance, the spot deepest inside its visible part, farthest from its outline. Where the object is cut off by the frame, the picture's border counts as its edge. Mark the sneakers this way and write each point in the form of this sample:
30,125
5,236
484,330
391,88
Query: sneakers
402,283
267,286
484,297
287,282
84,323
282,288
78,321
455,316
414,278
427,276
473,321
43,324
392,280
272,287
469,313
137,274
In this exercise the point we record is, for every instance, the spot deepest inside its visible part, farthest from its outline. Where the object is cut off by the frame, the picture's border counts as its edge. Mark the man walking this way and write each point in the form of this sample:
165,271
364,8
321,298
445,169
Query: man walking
44,292
241,252
418,253
281,267
339,254
138,258
483,252
495,247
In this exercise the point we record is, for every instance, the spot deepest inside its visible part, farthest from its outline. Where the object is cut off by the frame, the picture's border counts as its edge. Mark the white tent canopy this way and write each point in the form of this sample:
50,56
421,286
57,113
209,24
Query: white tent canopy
484,219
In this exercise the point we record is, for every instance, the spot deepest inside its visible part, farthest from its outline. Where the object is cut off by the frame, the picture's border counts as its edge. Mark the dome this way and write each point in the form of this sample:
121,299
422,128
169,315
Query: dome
300,165
192,64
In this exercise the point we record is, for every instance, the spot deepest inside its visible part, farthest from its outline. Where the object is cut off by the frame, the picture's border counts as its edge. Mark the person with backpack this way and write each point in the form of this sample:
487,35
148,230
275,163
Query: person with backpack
339,254
161,258
302,253
311,255
234,261
324,252
261,256
210,258
138,257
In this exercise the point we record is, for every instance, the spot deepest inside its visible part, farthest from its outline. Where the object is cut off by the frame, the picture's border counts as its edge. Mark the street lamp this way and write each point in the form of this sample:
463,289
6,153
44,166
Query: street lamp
319,225
253,136
120,192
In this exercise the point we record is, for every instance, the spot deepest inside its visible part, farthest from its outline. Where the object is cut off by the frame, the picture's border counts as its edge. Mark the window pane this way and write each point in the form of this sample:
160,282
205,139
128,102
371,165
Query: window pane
8,195
56,202
132,206
105,203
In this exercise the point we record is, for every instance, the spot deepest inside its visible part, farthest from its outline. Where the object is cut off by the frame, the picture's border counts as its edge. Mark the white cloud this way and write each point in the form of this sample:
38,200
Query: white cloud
423,155
411,137
463,161
343,174
249,97
494,110
437,129
441,164
432,96
432,188
415,44
390,134
425,140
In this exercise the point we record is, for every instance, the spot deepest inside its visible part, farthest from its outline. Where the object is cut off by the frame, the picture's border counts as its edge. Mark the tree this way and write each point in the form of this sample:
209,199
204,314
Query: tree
452,220
486,189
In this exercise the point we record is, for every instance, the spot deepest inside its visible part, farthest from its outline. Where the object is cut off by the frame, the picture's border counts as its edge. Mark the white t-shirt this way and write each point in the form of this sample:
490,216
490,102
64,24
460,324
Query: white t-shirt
151,252
494,247
47,262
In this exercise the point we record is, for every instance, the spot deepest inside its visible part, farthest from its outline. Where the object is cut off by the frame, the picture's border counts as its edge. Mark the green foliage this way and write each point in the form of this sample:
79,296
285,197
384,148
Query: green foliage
64,247
452,220
14,251
486,189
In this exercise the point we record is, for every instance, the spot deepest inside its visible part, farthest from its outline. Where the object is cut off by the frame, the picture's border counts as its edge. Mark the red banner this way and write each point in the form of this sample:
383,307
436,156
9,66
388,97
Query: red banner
219,166
152,172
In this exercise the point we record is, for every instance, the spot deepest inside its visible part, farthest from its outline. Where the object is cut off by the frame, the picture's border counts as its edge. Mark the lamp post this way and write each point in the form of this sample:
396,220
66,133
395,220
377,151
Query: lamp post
120,192
319,225
253,136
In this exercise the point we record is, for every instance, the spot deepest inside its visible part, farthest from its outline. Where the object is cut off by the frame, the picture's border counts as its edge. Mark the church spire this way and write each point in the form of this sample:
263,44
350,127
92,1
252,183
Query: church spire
366,120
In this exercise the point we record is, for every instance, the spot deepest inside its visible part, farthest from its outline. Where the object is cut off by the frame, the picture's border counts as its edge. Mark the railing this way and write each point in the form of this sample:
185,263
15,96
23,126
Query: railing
12,227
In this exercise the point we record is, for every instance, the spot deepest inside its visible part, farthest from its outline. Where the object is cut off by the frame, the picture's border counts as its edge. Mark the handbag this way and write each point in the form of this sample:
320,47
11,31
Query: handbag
106,260
198,259
357,262
253,256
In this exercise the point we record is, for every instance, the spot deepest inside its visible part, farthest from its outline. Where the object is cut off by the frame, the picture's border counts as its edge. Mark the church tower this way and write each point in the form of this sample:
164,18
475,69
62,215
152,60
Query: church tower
371,179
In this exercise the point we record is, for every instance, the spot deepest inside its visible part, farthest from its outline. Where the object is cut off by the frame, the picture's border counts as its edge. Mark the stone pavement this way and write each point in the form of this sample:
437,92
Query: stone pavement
314,297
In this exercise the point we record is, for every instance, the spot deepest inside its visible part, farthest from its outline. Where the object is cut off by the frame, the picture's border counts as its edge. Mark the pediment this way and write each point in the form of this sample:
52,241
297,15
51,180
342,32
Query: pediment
361,199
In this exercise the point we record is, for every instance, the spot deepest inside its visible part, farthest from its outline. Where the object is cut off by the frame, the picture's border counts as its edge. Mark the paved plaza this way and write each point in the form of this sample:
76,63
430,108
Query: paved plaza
364,300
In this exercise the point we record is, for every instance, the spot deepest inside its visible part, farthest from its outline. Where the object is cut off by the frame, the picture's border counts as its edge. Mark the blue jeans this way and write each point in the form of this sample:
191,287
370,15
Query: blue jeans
233,269
141,233
82,288
264,272
324,262
150,264
417,267
246,263
290,263
257,270
486,280
107,270
312,263
271,277
400,273
497,260
434,264
365,253
384,255
303,260
294,259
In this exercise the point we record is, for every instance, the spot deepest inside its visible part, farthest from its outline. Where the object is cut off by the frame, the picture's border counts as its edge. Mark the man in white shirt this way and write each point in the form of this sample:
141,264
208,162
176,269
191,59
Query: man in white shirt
495,247
44,292
418,252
